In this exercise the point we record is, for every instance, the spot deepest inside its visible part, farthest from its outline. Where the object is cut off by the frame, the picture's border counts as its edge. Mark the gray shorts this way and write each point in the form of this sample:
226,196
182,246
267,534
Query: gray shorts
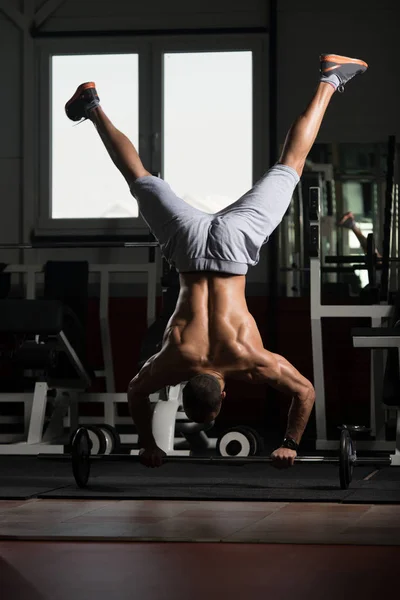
227,241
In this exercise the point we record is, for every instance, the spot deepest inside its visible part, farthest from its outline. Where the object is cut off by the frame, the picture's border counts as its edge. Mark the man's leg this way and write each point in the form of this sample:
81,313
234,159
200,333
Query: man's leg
121,150
260,210
85,104
304,130
159,206
336,71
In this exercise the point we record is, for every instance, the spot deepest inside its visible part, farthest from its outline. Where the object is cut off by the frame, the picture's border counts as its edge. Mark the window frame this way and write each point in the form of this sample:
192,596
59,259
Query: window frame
150,50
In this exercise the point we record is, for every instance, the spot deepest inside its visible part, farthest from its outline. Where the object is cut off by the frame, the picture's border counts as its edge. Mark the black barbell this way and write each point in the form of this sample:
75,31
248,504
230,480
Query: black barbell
78,244
81,458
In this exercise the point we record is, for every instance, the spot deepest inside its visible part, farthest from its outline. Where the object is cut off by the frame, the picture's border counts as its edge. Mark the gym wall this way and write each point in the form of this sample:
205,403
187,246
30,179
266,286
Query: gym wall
367,112
10,135
76,16
103,15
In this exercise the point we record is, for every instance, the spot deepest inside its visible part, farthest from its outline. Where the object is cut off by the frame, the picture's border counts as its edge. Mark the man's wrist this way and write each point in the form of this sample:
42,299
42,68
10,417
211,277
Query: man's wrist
147,443
290,443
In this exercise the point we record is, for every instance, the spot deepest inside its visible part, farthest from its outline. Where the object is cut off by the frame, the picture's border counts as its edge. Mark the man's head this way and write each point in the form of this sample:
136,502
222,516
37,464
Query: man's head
202,398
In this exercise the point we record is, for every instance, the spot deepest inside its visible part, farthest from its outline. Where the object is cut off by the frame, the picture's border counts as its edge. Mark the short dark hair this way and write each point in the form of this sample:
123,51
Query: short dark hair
202,398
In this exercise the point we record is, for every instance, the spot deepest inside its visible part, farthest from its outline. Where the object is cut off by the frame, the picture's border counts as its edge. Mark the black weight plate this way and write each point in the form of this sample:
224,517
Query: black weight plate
80,456
345,459
251,436
260,446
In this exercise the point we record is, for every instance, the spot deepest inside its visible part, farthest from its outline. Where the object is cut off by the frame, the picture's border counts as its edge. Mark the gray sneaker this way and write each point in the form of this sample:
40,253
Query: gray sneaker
343,67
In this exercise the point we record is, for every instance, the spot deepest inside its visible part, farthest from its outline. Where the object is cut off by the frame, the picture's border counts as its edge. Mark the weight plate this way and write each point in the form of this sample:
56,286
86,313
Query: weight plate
356,428
109,441
238,441
259,441
345,459
98,439
115,435
80,456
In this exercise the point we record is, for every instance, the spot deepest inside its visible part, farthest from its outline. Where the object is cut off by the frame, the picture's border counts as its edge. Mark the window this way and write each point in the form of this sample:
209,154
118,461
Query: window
191,107
85,183
208,99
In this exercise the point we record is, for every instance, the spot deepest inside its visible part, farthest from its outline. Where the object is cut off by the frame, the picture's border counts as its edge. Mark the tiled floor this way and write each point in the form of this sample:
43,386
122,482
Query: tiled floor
170,571
196,521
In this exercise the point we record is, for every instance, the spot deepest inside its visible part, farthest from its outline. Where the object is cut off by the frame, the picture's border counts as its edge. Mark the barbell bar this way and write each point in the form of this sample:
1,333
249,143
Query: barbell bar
216,460
347,460
237,460
356,259
78,244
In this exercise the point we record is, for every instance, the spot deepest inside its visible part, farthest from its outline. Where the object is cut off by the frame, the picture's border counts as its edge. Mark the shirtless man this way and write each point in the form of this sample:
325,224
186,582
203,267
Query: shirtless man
212,337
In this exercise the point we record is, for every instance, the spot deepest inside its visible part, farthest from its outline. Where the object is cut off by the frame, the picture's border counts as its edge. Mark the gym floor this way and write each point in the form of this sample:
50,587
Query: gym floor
200,521
58,549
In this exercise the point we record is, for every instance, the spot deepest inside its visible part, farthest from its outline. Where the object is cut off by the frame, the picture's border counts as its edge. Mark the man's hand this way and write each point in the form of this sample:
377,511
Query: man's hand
283,458
152,457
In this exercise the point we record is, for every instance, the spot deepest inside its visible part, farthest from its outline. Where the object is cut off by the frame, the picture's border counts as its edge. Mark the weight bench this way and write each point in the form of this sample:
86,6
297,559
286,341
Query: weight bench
383,338
43,346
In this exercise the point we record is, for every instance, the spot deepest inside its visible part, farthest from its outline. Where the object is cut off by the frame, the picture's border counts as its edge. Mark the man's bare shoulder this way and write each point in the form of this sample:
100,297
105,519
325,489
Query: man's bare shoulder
170,366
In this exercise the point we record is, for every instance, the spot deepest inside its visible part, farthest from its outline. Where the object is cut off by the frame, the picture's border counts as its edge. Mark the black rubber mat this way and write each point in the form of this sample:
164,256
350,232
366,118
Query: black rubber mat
383,487
22,478
27,477
201,482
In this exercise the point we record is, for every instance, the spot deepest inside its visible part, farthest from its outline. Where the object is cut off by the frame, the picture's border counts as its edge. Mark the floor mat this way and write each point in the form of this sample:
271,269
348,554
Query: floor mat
23,478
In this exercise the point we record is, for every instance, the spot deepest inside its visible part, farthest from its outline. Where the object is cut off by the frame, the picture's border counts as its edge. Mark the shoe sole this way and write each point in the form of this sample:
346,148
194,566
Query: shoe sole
81,88
341,60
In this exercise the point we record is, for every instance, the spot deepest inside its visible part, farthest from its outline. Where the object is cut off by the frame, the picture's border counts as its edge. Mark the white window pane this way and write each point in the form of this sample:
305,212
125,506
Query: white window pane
208,126
353,197
355,248
85,183
366,229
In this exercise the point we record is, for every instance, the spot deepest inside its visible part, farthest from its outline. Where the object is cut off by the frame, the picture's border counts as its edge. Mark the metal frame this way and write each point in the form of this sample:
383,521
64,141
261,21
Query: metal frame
378,314
34,417
65,416
384,342
104,270
34,414
65,406
84,377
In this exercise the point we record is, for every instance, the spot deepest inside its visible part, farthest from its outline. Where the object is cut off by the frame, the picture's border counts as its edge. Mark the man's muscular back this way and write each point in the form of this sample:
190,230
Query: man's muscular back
211,328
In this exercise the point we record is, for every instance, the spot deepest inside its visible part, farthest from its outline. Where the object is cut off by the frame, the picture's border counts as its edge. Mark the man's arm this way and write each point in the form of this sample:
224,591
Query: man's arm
150,379
282,376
